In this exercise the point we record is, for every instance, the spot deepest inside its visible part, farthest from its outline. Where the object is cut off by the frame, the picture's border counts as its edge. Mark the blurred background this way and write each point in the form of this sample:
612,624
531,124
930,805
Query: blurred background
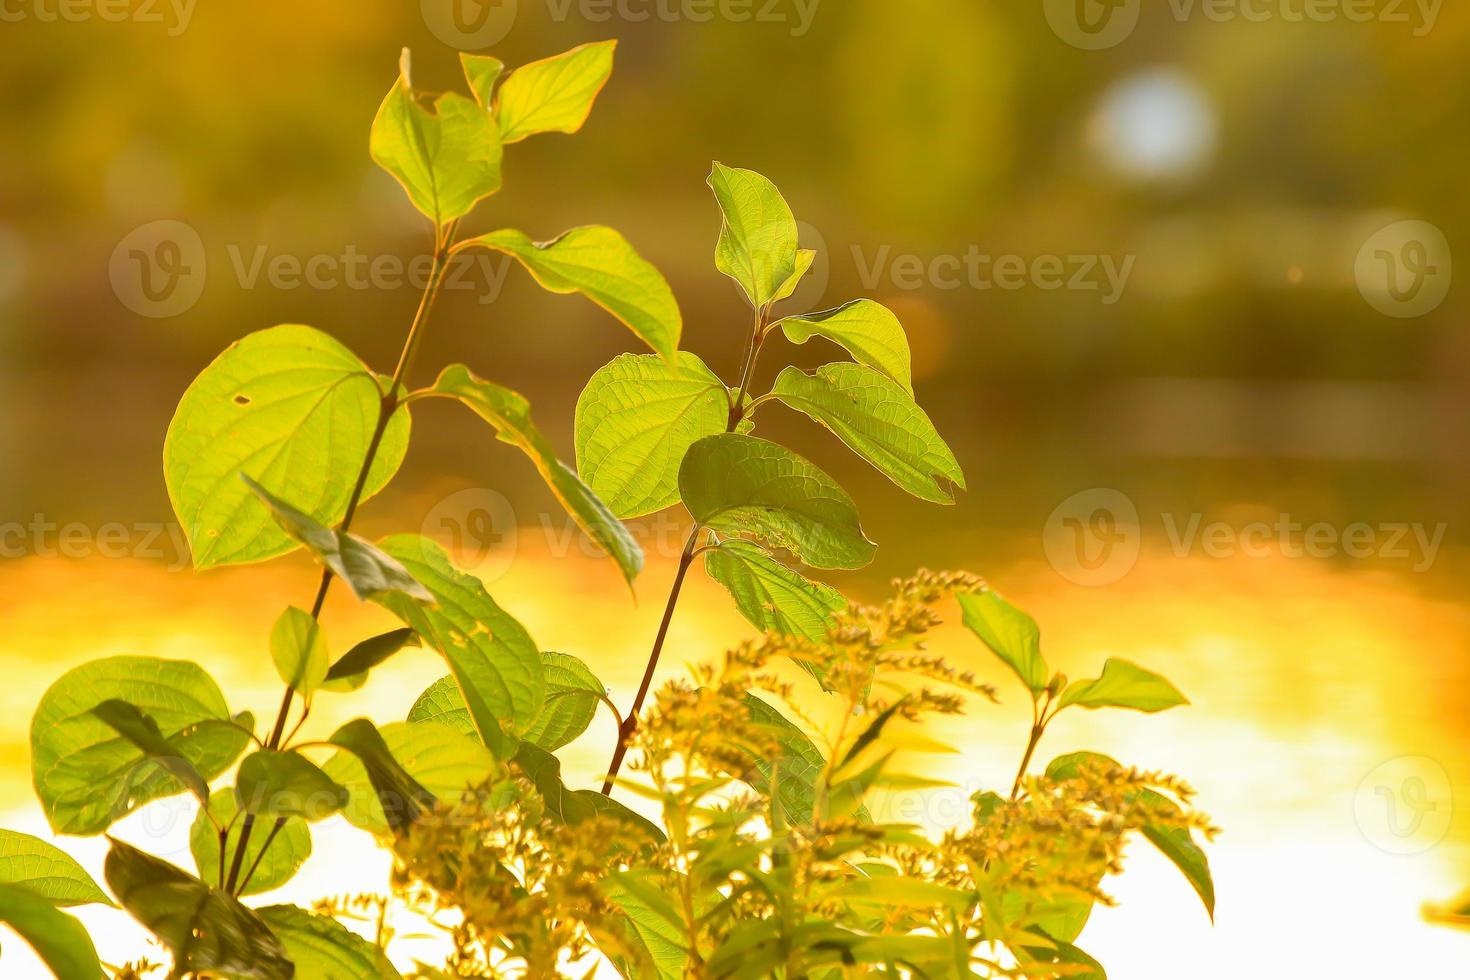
1180,284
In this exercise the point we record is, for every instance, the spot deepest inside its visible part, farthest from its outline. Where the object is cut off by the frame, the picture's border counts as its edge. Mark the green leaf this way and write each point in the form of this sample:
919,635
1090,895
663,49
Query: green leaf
879,421
46,870
366,570
868,330
739,484
1175,843
1010,634
804,259
771,596
143,732
600,264
280,855
324,949
295,408
87,776
572,696
636,419
441,702
655,927
383,795
510,414
554,95
204,927
1124,685
287,784
406,765
574,806
447,158
757,246
797,768
493,659
299,649
350,672
903,892
482,72
58,939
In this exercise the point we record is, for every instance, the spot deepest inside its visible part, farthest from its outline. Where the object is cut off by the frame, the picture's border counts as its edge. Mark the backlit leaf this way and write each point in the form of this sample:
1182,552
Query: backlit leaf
636,419
553,95
446,157
879,421
204,927
324,949
367,571
482,72
574,806
87,775
1124,685
869,331
441,702
600,264
350,671
46,870
280,855
414,764
129,722
294,409
1009,633
287,784
738,484
510,414
58,939
493,659
299,649
771,596
572,695
757,246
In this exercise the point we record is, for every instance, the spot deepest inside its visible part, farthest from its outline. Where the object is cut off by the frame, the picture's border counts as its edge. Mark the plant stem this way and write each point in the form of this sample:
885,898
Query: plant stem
1039,721
387,405
737,411
630,722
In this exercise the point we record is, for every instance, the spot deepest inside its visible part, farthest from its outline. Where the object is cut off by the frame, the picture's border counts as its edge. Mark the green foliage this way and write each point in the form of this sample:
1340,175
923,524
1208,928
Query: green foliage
60,941
492,657
1124,685
869,331
600,264
446,157
880,422
295,410
765,855
510,414
46,870
737,484
636,419
771,596
87,775
554,95
274,857
205,928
